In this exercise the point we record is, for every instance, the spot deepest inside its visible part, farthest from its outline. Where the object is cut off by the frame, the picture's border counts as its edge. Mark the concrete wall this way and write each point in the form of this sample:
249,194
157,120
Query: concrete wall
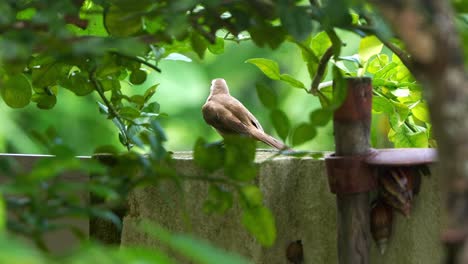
296,190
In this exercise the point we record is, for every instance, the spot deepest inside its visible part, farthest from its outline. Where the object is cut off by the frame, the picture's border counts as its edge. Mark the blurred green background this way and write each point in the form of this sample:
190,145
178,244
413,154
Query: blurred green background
183,89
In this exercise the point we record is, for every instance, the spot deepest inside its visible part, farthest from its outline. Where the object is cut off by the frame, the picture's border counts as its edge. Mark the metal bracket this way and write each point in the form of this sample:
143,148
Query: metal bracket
350,174
355,174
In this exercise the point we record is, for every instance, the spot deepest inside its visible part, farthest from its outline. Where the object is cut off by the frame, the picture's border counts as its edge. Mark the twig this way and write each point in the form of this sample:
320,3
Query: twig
322,66
404,57
152,66
336,42
109,106
75,20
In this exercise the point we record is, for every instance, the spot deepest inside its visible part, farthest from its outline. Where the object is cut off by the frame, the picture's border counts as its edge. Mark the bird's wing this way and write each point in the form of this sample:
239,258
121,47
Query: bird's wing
254,121
248,120
222,119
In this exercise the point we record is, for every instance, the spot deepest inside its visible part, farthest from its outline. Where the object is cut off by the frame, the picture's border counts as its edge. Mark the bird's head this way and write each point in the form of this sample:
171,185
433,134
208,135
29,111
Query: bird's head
219,86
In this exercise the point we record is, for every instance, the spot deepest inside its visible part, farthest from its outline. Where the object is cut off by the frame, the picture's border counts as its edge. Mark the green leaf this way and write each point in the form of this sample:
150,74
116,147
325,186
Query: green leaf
137,99
51,167
48,73
14,251
341,65
138,76
129,113
239,160
293,82
217,47
368,47
219,200
16,91
340,88
460,6
308,54
280,123
303,133
264,33
195,250
121,23
336,14
320,43
133,255
271,70
150,92
208,156
107,85
251,196
103,191
78,83
108,66
405,138
44,101
246,172
377,63
268,67
387,72
382,105
320,117
398,117
420,112
267,95
152,108
312,70
260,222
199,44
295,20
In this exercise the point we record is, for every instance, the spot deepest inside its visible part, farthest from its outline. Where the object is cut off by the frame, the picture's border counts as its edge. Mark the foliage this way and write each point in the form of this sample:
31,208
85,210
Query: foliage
396,93
104,47
192,249
236,156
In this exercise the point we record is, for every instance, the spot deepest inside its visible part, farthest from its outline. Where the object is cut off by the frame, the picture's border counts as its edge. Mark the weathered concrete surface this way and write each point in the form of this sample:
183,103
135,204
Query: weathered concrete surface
296,190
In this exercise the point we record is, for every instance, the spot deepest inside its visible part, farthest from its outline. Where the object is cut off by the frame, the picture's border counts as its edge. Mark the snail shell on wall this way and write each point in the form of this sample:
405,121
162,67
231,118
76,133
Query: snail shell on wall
381,220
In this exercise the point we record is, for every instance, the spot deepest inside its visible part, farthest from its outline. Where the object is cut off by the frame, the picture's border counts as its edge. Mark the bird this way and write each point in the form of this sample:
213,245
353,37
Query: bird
230,117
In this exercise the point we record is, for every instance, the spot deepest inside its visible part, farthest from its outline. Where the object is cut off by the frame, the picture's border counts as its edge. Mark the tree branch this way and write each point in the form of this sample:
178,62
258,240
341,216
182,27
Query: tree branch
370,29
322,66
110,107
152,66
404,57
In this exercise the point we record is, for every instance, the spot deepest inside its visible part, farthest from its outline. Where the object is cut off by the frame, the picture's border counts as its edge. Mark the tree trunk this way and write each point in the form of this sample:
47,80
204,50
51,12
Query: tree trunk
428,32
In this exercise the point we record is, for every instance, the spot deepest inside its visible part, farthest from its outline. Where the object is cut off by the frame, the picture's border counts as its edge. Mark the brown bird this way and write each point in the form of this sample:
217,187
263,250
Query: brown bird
229,116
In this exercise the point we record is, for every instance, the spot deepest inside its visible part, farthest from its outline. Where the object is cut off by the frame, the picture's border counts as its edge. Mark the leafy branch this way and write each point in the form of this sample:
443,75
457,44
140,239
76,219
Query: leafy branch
113,112
370,29
137,59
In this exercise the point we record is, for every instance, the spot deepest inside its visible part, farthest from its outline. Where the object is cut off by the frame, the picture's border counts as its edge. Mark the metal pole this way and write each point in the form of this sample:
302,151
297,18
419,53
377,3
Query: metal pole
351,128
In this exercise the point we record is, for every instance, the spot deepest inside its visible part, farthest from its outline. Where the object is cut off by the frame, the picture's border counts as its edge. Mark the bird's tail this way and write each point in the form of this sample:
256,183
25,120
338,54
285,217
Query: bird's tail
267,139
